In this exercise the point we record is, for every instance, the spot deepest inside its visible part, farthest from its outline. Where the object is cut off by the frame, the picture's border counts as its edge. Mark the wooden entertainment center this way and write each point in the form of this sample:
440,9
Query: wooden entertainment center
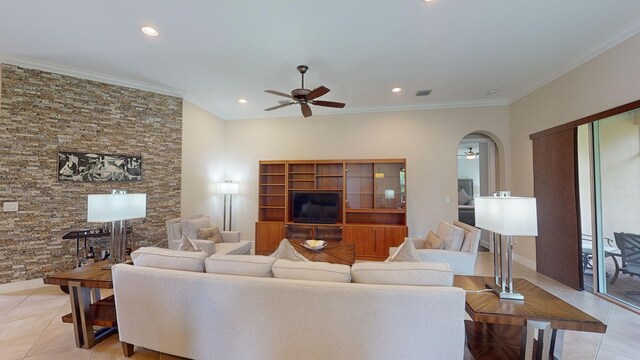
371,203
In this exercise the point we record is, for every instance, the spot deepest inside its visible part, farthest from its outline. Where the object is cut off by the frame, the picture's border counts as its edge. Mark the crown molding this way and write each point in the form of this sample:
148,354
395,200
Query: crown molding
380,109
617,39
87,75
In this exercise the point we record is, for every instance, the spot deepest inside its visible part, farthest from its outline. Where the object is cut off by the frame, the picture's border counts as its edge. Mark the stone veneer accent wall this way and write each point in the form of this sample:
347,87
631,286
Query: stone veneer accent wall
42,113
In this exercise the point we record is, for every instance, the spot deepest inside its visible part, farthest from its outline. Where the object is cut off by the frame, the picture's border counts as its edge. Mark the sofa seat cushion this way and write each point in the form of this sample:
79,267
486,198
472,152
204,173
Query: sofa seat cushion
169,259
402,273
244,265
308,270
236,248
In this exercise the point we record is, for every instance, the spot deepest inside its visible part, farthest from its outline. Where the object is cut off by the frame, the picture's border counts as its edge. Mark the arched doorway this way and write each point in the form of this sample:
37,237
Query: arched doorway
477,159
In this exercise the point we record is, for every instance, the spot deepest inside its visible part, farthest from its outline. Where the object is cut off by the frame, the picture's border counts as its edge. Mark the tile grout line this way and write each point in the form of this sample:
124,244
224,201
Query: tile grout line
605,334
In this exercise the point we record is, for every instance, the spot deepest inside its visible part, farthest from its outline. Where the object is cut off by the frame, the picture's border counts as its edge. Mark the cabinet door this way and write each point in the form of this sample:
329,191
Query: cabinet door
388,236
299,232
329,233
389,186
268,236
362,237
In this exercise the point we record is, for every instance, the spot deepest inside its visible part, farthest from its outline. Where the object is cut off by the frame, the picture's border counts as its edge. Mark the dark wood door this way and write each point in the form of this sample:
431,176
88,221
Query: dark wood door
388,236
362,237
555,176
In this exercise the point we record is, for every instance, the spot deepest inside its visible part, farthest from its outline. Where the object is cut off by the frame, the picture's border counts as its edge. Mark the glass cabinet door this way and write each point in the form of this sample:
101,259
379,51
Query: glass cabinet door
360,186
389,186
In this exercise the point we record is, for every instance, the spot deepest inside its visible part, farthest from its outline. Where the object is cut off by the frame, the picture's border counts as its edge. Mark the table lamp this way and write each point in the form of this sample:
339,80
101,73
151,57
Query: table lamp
117,208
505,216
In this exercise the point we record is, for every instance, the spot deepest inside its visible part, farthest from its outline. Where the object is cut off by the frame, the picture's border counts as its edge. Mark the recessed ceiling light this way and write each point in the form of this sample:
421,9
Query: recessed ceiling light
396,89
242,101
492,91
148,30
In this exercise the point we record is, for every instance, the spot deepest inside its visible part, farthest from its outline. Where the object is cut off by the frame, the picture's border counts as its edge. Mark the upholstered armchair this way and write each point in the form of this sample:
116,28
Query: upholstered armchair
461,258
231,243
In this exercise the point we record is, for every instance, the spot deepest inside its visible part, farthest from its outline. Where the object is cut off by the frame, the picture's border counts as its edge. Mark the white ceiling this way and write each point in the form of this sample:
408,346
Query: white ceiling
216,51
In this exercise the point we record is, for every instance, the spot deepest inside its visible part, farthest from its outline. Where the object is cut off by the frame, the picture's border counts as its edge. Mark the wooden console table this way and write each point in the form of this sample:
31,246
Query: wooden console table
504,329
84,284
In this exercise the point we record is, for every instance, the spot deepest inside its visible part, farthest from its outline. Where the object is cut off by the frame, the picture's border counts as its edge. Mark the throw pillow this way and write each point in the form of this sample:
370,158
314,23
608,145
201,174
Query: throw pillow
210,233
433,242
286,251
451,235
463,197
405,252
186,244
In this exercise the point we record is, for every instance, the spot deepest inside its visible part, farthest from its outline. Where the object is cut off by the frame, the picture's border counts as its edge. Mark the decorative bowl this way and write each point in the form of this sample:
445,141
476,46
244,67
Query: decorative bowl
314,244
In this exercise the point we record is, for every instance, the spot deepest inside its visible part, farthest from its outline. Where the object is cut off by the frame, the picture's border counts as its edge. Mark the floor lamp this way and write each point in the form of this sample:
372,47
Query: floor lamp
228,189
117,208
506,216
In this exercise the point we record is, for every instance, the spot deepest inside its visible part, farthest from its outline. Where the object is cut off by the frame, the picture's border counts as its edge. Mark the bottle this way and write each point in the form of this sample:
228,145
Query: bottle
91,256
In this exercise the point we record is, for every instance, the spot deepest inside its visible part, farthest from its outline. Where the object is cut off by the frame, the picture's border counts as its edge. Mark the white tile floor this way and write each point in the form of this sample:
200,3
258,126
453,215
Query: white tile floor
30,325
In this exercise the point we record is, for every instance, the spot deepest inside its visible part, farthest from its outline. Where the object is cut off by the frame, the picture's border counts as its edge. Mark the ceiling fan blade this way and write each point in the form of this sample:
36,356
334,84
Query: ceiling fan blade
317,92
306,110
328,103
279,106
277,93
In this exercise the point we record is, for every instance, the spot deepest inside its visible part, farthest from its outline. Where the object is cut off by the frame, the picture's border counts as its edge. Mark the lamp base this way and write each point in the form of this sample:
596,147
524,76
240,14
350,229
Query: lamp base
504,294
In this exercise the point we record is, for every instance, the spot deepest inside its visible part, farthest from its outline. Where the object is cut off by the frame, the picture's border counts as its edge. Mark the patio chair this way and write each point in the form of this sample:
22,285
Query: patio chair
629,245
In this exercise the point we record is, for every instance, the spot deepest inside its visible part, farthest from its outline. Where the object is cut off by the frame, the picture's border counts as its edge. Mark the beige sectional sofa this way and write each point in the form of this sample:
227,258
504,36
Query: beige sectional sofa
231,243
260,307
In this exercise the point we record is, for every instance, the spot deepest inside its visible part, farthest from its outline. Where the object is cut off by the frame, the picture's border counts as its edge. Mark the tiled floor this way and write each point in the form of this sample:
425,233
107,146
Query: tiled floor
30,325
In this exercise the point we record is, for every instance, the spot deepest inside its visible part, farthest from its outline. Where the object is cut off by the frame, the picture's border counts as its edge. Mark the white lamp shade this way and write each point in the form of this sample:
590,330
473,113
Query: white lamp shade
512,216
228,188
115,207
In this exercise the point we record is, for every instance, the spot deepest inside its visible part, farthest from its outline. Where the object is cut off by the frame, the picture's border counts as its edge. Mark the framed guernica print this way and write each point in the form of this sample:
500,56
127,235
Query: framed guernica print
76,166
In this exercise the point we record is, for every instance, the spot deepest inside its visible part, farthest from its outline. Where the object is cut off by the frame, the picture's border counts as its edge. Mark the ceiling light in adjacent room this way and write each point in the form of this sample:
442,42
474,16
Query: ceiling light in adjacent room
395,90
242,101
149,31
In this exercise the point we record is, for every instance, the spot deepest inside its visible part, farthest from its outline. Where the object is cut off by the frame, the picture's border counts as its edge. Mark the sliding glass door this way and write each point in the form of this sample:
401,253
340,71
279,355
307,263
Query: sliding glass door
611,205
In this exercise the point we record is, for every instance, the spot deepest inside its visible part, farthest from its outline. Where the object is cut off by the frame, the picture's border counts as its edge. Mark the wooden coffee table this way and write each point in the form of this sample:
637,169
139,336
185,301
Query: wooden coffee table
336,252
504,328
87,308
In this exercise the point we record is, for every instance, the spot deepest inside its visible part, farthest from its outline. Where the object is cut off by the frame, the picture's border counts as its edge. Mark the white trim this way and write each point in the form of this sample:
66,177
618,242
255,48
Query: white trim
88,75
623,35
21,285
524,261
377,109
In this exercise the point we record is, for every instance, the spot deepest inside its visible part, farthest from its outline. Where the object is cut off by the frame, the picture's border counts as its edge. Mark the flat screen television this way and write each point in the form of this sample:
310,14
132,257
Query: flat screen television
315,207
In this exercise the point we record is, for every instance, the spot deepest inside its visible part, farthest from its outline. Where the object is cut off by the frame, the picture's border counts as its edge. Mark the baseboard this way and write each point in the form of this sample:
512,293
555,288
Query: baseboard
21,285
524,261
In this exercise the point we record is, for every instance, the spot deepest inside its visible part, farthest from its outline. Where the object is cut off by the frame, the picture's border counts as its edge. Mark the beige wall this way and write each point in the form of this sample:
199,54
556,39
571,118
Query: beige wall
428,139
202,162
609,80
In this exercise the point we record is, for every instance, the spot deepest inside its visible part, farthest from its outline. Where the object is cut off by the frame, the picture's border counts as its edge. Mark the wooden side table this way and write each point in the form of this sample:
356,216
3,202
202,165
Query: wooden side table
498,322
87,308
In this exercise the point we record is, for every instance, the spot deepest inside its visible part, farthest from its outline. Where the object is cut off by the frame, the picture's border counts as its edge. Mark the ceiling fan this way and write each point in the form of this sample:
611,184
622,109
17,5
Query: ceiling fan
304,97
469,154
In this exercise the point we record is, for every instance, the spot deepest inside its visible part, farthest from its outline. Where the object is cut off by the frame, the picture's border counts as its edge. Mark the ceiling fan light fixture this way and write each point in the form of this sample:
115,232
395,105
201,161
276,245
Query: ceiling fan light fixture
396,90
242,101
148,30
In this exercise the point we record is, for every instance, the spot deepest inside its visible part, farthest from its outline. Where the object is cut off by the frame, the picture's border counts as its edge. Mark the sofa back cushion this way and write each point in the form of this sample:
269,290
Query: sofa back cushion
471,237
308,270
452,236
169,259
402,273
190,226
244,265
